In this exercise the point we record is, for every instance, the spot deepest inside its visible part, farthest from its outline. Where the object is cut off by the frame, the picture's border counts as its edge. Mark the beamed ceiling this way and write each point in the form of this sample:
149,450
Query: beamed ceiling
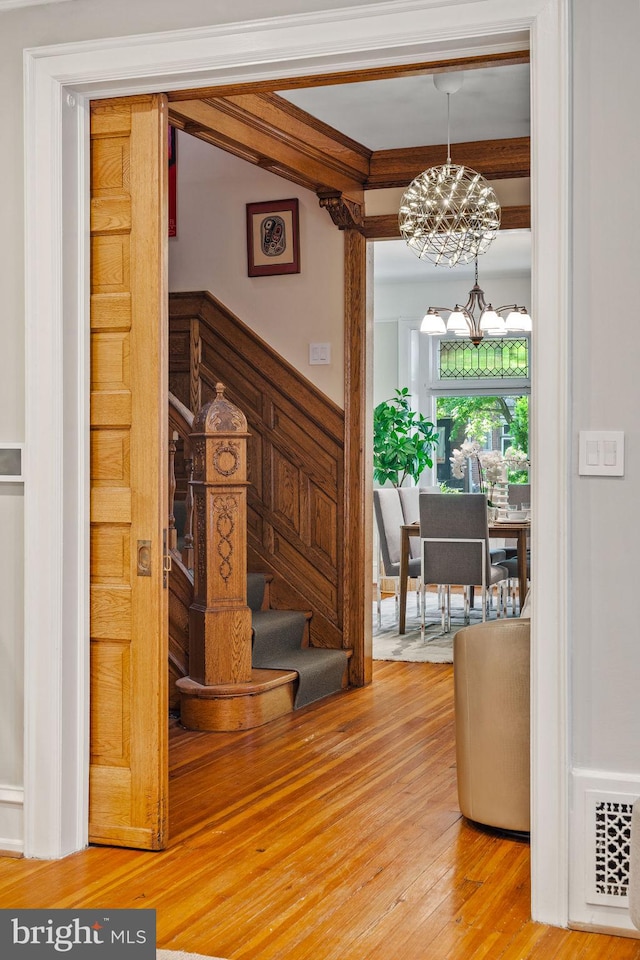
260,125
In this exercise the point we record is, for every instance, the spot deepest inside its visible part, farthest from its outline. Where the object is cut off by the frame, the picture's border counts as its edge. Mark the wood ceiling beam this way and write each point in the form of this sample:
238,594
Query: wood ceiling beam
386,227
494,159
419,68
268,131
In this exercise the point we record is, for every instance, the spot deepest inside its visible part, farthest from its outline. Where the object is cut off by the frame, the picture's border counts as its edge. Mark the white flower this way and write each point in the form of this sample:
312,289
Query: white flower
492,465
467,450
517,459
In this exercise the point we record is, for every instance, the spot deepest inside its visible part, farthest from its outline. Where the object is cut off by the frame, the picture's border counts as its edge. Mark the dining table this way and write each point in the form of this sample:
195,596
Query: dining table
517,530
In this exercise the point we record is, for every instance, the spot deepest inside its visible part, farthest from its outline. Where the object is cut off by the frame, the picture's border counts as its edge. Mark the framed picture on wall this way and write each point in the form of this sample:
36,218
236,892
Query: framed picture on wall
273,240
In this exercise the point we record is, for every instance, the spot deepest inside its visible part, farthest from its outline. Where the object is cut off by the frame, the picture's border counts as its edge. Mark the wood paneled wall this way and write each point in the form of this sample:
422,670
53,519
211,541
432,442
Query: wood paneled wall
296,456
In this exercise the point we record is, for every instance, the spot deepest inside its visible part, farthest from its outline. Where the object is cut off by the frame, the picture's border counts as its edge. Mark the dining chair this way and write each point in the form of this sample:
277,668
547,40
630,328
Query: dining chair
519,493
410,502
511,566
454,535
389,520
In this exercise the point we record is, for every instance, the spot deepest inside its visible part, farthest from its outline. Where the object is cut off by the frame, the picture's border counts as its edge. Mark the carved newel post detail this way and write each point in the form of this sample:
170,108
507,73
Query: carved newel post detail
219,618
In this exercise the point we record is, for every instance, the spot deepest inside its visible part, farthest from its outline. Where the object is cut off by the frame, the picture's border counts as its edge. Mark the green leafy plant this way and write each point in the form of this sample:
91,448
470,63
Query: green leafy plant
402,440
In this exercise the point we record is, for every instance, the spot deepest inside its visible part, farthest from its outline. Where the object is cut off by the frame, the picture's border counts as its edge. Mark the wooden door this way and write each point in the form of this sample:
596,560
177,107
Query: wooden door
129,610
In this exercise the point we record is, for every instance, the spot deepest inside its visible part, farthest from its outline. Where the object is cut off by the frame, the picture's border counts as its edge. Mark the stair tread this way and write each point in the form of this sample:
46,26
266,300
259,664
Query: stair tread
261,680
277,630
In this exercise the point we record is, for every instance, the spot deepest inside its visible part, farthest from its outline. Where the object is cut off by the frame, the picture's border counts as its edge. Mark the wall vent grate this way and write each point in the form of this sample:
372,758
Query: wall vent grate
612,848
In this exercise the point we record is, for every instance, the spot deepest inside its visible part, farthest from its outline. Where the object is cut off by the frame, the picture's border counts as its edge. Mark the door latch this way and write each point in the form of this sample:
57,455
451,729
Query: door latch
166,560
144,558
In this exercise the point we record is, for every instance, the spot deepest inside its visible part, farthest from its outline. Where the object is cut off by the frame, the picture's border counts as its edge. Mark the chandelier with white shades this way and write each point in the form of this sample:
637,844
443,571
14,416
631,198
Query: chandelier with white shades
477,318
449,214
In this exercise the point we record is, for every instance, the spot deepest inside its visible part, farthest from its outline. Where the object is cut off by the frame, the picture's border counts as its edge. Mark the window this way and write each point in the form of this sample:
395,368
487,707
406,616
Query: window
481,393
502,359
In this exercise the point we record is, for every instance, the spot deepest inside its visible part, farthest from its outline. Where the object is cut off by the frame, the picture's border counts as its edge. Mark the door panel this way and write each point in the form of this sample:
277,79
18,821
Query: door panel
129,607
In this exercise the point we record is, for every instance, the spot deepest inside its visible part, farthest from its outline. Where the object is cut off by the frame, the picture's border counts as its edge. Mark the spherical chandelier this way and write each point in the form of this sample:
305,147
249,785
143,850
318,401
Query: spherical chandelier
449,214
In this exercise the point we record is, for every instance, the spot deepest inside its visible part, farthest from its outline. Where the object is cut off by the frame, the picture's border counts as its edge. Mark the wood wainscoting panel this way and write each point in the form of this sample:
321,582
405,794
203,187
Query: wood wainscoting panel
295,454
286,490
128,603
323,521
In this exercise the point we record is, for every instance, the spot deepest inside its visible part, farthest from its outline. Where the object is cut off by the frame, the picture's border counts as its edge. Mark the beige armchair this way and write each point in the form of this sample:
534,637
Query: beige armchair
491,679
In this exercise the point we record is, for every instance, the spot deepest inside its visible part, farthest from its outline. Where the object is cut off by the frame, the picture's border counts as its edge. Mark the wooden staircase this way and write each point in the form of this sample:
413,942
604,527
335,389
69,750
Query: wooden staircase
287,670
297,499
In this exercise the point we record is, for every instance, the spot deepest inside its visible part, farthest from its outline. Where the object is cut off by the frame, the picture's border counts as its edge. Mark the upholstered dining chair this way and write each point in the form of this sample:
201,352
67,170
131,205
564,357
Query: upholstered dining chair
410,501
511,566
519,493
389,519
454,537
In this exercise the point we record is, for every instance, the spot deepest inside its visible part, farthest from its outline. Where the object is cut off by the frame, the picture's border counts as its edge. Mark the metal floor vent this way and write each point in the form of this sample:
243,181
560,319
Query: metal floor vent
612,850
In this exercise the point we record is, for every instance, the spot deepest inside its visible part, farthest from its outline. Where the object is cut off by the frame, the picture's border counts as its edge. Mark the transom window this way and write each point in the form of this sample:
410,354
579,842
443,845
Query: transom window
498,358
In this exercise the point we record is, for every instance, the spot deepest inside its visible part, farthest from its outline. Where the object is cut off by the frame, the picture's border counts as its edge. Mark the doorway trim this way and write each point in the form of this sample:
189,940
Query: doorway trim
59,82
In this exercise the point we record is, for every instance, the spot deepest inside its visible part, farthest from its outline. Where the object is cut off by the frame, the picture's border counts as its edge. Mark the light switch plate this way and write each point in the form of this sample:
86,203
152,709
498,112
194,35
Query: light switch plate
319,353
601,453
11,459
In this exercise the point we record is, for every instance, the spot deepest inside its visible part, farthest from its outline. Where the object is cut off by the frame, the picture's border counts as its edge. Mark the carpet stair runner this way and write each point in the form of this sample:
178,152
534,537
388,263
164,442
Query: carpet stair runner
278,638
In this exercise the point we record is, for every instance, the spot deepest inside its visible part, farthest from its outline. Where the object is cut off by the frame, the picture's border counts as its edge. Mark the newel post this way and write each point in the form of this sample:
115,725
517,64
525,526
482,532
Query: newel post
219,618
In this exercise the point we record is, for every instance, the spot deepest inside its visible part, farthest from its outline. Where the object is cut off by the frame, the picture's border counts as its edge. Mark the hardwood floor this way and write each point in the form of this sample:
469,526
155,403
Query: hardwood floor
331,834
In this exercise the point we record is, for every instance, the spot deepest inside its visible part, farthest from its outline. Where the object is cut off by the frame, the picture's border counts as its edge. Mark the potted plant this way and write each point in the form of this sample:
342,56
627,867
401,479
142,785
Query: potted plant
402,440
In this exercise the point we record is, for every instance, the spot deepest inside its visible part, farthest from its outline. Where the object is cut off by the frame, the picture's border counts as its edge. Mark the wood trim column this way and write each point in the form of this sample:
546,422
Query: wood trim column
358,495
219,618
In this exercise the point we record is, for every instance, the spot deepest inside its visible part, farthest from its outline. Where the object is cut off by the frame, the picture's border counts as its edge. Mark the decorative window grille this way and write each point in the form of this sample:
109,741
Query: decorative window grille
493,359
613,850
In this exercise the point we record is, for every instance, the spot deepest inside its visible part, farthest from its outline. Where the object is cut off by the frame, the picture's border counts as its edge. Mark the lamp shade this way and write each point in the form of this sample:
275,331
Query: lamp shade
490,320
457,322
432,323
519,320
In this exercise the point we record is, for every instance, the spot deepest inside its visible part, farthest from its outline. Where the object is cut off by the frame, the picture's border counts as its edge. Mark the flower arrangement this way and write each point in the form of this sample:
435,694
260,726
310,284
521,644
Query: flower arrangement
492,466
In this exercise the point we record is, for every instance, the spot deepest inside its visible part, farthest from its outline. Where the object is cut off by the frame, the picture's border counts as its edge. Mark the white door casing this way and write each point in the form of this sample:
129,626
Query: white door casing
59,82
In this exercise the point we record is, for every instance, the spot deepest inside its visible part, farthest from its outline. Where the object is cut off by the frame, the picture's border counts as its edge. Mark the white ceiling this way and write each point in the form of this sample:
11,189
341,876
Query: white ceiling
409,111
492,104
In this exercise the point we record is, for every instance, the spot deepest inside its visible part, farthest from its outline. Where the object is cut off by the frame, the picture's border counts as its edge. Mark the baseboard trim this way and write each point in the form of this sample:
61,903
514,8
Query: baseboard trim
602,803
602,928
11,821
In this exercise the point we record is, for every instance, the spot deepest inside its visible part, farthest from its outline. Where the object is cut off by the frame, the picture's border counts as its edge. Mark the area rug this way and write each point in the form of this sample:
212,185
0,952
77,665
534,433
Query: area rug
436,647
181,955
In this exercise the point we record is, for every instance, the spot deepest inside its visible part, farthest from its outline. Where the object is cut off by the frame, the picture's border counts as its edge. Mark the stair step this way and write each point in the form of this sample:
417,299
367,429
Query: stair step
278,630
277,645
256,583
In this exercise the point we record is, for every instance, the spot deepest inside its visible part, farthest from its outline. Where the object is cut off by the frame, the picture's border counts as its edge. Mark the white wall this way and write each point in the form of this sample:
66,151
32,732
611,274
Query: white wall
605,520
606,387
210,253
394,300
385,360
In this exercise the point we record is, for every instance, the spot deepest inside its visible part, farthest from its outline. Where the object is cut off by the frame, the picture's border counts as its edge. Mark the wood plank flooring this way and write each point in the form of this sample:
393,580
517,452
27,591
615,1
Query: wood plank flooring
332,834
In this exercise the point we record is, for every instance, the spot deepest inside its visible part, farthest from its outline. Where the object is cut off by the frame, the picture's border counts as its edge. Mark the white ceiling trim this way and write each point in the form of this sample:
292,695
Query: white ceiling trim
12,4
